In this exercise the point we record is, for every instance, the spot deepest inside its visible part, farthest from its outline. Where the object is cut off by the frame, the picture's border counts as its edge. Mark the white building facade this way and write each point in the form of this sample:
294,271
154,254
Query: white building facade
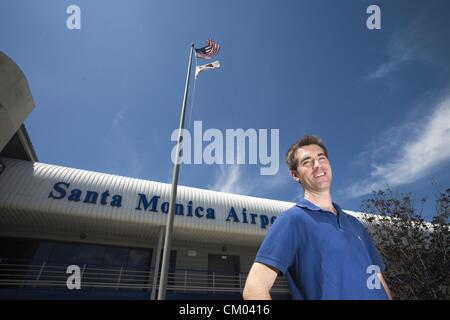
64,216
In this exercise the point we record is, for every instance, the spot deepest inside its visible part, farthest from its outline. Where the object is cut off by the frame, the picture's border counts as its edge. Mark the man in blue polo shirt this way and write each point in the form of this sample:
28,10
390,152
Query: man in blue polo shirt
324,252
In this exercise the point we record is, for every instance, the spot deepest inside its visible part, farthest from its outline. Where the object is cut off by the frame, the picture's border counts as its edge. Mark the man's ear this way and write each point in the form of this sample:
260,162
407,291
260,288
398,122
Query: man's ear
295,176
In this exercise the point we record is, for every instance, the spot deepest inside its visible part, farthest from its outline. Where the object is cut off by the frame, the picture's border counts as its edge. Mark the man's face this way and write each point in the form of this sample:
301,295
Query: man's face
314,169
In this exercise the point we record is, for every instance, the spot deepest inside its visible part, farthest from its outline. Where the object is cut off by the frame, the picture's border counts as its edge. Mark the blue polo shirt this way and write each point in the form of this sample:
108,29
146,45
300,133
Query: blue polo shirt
323,256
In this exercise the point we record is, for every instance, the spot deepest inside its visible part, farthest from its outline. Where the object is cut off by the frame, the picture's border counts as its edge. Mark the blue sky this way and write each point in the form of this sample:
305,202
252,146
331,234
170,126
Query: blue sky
108,96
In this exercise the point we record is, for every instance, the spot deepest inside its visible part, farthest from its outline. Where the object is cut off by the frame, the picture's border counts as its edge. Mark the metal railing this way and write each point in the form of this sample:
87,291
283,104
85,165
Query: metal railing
121,278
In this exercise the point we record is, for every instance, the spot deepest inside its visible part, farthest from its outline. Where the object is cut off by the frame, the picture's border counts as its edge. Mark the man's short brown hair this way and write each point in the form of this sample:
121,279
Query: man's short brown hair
292,160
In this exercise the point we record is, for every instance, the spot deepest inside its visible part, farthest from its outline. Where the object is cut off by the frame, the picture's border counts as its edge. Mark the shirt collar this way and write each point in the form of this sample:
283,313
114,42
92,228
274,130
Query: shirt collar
306,204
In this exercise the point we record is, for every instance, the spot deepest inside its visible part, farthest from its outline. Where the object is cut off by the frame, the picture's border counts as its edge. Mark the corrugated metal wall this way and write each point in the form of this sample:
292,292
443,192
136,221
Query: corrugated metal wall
24,201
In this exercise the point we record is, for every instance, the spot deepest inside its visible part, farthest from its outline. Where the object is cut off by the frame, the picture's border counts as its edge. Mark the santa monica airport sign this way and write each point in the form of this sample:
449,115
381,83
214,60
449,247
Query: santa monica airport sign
154,204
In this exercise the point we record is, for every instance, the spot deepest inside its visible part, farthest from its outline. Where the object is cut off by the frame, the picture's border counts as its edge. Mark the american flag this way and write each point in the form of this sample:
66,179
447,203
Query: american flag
211,50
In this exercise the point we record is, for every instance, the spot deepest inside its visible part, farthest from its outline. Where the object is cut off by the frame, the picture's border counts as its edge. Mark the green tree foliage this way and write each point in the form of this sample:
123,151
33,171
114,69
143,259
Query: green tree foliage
416,253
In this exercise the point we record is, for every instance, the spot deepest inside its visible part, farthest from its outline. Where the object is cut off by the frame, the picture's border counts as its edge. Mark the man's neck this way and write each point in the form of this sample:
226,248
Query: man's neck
321,199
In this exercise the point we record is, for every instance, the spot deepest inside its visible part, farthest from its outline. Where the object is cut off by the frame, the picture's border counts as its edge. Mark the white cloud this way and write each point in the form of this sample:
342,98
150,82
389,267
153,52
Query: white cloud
402,48
417,155
386,68
118,117
232,179
420,41
229,180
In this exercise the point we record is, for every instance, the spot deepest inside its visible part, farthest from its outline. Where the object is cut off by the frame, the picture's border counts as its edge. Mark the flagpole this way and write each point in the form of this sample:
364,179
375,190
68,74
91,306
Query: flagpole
173,192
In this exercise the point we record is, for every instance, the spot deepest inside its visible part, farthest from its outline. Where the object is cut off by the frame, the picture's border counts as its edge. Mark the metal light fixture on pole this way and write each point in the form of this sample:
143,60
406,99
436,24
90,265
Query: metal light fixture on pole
173,192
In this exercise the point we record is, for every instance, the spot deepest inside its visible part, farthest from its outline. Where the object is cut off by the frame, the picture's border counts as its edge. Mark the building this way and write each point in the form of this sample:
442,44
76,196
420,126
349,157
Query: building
112,227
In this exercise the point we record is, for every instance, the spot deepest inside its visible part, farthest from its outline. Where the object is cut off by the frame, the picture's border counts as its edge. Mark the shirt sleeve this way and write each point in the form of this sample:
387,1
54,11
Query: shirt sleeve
279,247
373,252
